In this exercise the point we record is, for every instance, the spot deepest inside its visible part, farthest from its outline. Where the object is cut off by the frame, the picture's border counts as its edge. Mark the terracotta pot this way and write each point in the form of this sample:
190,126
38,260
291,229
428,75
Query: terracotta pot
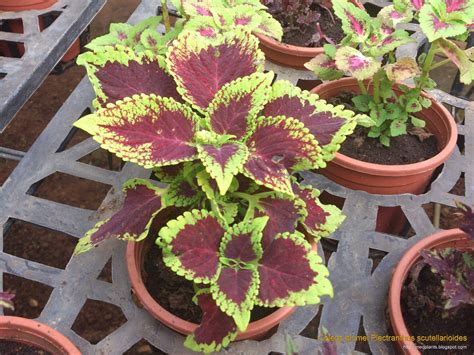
287,54
391,179
32,333
135,258
16,26
22,5
453,238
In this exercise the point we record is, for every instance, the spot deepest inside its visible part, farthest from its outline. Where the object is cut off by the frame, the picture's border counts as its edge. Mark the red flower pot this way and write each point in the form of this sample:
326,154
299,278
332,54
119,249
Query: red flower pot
16,26
32,333
287,54
135,260
453,238
22,5
391,179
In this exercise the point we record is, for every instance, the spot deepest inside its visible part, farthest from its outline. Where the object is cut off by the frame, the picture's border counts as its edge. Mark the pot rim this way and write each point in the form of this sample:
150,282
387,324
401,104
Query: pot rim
28,330
397,170
18,5
297,51
183,326
400,273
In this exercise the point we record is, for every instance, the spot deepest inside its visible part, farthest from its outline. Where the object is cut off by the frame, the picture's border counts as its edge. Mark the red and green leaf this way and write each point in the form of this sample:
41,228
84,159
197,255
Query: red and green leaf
269,26
236,287
389,41
148,130
142,202
120,72
183,191
324,67
355,21
223,162
459,58
234,108
201,69
277,145
216,329
467,225
299,282
321,220
391,17
6,300
358,65
437,23
328,124
283,215
118,35
191,245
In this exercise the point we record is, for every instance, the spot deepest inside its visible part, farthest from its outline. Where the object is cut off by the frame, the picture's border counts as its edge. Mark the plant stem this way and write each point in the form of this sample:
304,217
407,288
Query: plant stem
439,64
166,15
377,87
362,88
427,65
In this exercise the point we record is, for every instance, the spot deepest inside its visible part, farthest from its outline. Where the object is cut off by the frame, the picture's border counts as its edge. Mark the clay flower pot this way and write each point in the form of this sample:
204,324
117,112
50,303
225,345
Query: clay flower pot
135,260
32,333
22,5
391,179
453,238
287,54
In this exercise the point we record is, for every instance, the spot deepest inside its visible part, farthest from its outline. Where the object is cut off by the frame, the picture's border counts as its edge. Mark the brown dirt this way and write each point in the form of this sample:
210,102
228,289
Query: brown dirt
175,293
405,149
422,306
300,38
15,348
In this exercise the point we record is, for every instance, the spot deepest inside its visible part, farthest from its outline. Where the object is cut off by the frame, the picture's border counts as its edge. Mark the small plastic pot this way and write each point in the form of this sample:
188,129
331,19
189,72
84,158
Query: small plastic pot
33,333
453,238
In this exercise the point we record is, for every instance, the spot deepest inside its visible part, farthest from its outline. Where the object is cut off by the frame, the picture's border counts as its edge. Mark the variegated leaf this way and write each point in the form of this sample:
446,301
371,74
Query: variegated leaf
237,285
223,162
201,69
358,65
328,124
119,72
132,221
148,130
299,282
235,107
324,67
190,245
278,145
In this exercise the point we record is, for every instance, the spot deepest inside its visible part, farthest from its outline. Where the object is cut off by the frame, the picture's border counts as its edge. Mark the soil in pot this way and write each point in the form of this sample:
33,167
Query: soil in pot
175,293
422,306
405,149
329,22
13,347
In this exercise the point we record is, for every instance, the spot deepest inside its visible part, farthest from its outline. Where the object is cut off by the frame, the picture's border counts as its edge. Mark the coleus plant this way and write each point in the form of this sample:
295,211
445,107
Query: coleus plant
227,142
367,53
211,17
455,267
302,16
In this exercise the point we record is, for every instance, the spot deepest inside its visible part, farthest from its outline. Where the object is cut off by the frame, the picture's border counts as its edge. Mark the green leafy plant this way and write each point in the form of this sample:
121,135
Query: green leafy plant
226,142
367,54
211,17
